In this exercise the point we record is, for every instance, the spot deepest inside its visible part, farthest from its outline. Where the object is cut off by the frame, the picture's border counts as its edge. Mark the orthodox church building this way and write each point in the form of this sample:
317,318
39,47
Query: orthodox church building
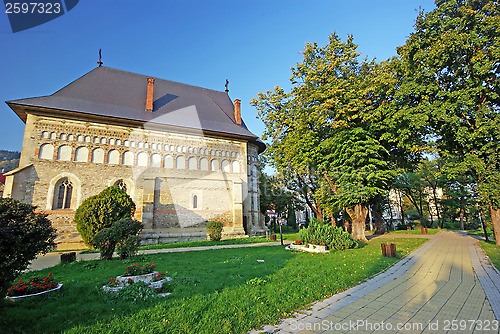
183,153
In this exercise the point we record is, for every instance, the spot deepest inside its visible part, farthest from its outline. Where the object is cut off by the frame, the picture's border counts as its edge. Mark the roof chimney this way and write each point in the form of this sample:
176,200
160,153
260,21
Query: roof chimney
149,94
237,111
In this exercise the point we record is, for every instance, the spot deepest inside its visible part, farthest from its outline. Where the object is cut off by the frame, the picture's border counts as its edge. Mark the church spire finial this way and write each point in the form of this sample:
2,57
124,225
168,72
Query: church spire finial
227,86
99,62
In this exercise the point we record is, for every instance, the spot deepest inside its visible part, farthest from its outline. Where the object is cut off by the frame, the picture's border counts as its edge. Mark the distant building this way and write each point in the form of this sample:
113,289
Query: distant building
183,153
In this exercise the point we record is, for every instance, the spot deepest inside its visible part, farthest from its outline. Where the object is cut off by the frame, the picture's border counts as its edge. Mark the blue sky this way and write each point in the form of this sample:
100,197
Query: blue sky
251,43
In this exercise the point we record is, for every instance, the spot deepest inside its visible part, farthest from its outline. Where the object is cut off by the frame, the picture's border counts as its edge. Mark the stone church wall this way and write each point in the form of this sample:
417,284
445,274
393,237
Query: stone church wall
178,181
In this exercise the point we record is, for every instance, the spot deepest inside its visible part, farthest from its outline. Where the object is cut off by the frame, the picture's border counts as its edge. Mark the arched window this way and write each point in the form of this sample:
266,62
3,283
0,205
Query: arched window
195,202
121,184
46,152
64,191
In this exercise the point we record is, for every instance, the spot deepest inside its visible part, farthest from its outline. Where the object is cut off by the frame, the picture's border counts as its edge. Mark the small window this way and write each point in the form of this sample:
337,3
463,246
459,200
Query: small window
195,202
121,184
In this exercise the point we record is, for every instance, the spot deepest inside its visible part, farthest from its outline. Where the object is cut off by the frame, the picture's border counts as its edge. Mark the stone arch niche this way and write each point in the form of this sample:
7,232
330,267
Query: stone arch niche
204,164
142,159
180,162
113,157
214,165
46,152
155,160
168,162
226,167
64,153
192,163
128,158
98,156
236,167
82,154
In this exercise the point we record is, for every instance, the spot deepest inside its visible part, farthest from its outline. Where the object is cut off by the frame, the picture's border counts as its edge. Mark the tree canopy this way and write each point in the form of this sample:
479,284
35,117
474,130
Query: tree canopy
350,129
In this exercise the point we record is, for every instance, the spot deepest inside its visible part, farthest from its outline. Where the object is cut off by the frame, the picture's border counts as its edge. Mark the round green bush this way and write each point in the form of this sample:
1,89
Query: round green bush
214,230
101,211
122,233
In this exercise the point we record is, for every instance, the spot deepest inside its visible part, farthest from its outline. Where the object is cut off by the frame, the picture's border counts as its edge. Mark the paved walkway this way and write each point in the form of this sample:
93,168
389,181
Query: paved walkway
438,288
51,259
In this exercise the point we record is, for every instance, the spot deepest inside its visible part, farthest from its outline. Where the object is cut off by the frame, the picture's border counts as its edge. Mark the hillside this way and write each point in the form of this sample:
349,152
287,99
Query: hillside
9,160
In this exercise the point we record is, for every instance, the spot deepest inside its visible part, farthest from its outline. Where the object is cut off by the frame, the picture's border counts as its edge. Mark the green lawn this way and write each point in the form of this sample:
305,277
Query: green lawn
215,291
493,252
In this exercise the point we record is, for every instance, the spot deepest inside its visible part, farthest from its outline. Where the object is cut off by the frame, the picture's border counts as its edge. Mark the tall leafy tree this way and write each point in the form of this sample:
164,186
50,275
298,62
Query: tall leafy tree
450,73
326,131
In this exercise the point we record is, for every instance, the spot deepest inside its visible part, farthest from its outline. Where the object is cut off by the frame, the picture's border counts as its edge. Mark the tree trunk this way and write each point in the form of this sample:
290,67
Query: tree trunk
379,222
358,216
434,194
332,219
391,223
400,196
462,227
495,219
370,218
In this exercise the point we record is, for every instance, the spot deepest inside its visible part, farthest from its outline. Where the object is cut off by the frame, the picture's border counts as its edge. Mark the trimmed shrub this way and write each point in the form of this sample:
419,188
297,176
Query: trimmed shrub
101,211
214,230
23,235
119,232
129,247
324,234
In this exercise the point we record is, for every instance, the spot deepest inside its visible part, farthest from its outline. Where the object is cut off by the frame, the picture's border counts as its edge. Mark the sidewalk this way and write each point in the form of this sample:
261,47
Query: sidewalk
51,259
440,287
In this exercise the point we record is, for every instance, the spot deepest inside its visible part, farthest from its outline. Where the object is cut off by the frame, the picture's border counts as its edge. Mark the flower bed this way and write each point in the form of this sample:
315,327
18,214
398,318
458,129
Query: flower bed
310,248
33,287
145,273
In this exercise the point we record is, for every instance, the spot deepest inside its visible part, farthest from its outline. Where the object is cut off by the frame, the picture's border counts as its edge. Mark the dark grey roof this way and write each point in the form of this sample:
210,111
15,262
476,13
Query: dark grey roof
118,94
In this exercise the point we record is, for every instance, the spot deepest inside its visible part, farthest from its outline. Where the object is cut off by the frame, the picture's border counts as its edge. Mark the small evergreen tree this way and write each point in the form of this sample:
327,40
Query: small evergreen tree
23,235
101,211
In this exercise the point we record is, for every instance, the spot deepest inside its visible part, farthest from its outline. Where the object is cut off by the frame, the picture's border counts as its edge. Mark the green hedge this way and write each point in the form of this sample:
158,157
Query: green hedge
324,234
